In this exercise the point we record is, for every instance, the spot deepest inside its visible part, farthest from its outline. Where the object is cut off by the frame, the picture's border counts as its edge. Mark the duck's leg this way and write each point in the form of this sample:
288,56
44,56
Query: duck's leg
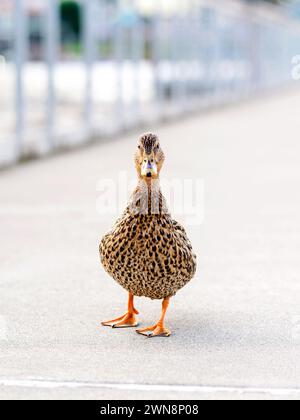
127,320
158,329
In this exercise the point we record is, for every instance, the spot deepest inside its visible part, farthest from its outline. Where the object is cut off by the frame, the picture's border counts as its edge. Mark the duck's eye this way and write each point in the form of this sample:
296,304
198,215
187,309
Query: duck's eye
152,160
157,147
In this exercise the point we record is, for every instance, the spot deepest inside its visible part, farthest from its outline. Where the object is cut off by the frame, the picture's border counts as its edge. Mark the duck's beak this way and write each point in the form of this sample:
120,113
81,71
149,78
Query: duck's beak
149,169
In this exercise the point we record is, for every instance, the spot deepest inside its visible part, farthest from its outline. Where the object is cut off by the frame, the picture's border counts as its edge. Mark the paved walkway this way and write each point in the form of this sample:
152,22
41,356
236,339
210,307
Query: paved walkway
236,327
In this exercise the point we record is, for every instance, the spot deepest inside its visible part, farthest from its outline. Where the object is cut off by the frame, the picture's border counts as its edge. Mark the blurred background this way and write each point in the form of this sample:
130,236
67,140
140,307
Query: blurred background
75,71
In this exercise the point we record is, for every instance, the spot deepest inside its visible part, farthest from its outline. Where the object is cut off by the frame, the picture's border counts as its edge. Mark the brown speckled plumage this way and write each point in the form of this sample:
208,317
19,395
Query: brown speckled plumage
147,252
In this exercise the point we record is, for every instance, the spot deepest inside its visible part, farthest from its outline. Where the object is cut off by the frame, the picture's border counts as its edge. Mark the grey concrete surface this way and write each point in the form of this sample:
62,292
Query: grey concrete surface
96,394
236,325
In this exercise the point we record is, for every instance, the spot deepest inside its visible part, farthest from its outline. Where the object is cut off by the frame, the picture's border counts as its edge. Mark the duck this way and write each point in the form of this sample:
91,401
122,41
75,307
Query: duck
147,252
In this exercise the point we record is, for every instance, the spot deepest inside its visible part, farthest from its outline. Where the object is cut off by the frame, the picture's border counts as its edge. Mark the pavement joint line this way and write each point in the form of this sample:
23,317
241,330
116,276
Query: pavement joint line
54,384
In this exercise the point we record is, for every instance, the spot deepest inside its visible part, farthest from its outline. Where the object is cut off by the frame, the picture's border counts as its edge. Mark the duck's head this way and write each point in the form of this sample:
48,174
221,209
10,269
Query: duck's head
149,157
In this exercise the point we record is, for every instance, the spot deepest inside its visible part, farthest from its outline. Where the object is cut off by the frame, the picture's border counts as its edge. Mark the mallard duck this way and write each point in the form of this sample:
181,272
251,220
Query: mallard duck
147,252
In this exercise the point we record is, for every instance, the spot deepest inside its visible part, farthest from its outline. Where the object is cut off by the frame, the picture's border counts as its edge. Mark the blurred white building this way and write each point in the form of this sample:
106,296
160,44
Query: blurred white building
35,10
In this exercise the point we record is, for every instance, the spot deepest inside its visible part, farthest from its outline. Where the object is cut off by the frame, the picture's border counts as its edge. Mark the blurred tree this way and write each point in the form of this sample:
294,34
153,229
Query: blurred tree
70,15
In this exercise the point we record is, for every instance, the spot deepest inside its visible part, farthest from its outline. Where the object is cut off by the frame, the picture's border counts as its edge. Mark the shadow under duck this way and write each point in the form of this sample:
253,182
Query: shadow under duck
147,252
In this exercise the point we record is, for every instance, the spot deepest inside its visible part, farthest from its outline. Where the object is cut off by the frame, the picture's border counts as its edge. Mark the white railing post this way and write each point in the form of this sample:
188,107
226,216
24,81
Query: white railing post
19,50
52,42
158,44
174,59
118,61
88,35
137,47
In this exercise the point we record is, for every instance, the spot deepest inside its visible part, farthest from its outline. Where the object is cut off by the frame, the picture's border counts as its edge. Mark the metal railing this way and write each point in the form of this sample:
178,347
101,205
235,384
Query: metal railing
132,66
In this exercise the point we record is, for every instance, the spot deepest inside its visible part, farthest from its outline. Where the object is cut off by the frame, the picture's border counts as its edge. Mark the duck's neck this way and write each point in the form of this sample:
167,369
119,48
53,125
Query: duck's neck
150,192
149,184
149,197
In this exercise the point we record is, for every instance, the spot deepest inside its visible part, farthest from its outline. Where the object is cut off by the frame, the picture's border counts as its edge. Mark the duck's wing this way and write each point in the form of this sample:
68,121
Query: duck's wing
185,246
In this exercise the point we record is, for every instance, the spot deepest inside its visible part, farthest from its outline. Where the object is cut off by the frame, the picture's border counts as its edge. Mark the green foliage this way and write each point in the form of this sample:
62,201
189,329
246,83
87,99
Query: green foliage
70,15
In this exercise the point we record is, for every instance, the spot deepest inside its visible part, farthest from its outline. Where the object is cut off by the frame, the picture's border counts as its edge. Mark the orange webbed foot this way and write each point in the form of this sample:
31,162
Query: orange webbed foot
129,320
157,330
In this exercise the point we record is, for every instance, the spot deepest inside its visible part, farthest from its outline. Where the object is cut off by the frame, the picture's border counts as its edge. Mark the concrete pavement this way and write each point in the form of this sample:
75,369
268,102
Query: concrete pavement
236,327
